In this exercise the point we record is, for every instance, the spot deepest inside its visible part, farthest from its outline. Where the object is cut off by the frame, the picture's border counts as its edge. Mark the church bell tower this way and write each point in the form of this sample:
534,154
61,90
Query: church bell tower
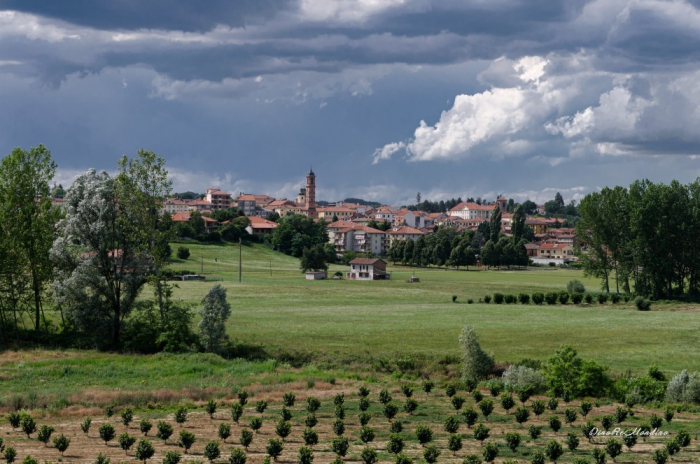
311,194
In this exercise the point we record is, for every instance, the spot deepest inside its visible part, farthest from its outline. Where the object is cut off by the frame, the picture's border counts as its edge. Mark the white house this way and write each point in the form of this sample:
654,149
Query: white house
468,210
368,269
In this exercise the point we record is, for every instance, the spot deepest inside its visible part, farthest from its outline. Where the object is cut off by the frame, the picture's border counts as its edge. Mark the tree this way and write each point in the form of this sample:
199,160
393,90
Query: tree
495,224
296,232
107,432
144,450
476,363
214,313
529,207
518,225
313,259
28,229
212,451
61,443
187,439
126,441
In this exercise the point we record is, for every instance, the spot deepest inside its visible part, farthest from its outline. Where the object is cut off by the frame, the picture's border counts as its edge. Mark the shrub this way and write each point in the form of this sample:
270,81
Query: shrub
538,298
551,298
212,451
522,415
660,456
164,432
224,431
101,459
15,419
486,407
572,441
242,397
183,253
642,303
365,417
428,386
498,298
126,441
390,410
538,458
410,406
588,298
563,297
454,443
470,301
85,425
495,387
395,444
368,456
274,448
481,432
552,404
310,437
538,407
629,440
551,264
261,406
424,434
366,434
338,427
534,432
144,450
487,299
340,411
511,299
576,298
553,450
524,395
620,415
340,446
107,432
173,457
28,425
524,298
236,412
613,448
289,399
286,413
668,415
384,396
513,441
615,298
570,415
238,456
672,447
246,438
403,459
602,298
450,390
127,416
554,423
187,439
470,416
10,454
210,408
682,438
507,402
431,453
407,390
363,392
255,424
312,404
575,286
471,459
606,422
29,460
396,427
490,452
311,421
522,378
457,402
145,426
454,298
306,455
181,415
61,443
451,424
585,408
44,435
477,395
283,429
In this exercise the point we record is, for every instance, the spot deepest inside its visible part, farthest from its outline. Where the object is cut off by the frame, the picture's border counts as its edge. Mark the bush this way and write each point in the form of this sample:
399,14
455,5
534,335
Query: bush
187,439
470,301
144,450
238,456
181,415
289,399
486,407
602,298
224,431
126,441
424,434
428,386
454,298
29,425
246,438
522,415
338,427
274,448
563,297
454,443
212,451
145,426
390,410
183,253
588,298
615,298
107,432
576,298
451,424
521,378
368,456
312,404
511,299
410,405
498,298
538,298
684,388
457,402
255,424
311,421
340,446
613,448
61,443
524,298
534,432
487,299
164,432
554,423
481,432
283,429
551,298
173,457
236,412
642,303
507,402
396,427
553,450
470,416
538,407
575,286
44,435
490,452
431,453
513,441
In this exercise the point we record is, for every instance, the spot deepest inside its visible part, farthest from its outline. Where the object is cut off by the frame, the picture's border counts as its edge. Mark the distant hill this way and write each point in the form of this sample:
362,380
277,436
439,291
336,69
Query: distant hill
360,201
187,195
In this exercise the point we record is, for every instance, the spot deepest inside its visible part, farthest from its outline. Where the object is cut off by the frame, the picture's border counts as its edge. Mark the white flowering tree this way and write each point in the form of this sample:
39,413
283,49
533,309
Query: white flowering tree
476,363
215,311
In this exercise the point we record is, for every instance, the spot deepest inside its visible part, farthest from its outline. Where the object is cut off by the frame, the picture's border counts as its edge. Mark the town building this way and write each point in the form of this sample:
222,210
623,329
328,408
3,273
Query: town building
368,269
469,210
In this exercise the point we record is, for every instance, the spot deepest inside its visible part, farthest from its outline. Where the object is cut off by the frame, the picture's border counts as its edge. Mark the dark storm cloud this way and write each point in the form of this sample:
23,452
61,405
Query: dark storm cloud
192,16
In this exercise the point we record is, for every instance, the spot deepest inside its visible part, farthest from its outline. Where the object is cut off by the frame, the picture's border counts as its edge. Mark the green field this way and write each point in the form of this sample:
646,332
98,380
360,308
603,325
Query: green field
277,308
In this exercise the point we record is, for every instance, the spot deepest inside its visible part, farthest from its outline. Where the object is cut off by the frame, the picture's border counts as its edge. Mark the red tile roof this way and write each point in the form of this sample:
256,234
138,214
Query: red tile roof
365,261
473,207
405,230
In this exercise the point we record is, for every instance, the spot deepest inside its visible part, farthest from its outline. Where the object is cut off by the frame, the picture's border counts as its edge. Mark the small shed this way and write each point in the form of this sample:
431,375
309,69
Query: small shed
368,269
316,275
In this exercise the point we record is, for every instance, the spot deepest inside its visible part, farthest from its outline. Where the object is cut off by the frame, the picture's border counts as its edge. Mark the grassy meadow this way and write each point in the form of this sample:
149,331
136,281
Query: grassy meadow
275,307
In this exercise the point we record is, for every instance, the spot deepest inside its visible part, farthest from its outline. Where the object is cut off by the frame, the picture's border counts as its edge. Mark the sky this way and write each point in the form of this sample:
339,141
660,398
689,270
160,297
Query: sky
383,98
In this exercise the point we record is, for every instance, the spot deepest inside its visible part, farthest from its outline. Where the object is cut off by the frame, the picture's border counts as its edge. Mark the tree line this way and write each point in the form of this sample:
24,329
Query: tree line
91,259
643,237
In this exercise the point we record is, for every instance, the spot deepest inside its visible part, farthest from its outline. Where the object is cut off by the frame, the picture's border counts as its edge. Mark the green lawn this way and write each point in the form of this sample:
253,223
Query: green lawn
276,307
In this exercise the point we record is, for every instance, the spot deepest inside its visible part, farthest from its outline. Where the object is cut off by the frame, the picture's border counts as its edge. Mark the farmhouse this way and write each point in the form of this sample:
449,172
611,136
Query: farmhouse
368,269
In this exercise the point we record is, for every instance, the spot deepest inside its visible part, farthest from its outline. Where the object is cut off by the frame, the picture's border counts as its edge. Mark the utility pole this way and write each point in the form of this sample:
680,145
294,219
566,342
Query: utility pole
240,258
